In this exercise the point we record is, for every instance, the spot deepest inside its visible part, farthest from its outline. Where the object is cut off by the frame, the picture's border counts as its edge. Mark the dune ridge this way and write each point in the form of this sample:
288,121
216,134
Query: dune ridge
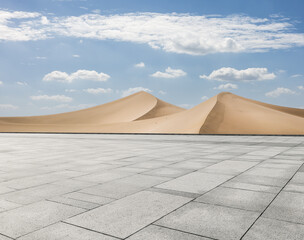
225,113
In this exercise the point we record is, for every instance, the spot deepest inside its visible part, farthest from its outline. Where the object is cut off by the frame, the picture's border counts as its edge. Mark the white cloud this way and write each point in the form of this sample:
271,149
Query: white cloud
162,92
279,91
70,90
13,28
134,90
76,56
301,87
22,83
67,106
296,75
1,82
172,32
58,76
44,20
57,98
169,73
8,106
98,90
140,65
234,75
41,58
204,98
97,11
227,86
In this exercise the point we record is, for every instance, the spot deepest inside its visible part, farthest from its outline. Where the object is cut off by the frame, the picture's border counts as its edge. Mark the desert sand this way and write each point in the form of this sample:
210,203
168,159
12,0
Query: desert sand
141,112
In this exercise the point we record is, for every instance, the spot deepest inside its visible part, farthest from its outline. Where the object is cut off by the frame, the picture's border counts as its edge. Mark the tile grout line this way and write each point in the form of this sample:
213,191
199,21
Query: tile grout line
274,197
193,200
182,231
92,230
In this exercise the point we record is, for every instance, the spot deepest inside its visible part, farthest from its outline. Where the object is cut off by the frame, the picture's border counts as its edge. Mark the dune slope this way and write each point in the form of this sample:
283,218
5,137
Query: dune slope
140,105
141,112
233,114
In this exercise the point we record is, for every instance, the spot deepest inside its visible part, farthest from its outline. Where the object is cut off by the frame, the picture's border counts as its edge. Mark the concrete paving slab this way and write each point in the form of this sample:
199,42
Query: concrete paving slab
168,172
252,187
4,237
4,189
123,187
64,231
88,198
195,182
290,187
128,215
238,198
36,194
73,202
210,221
298,178
6,205
104,176
153,232
23,220
192,165
273,172
288,206
272,229
101,170
229,167
260,180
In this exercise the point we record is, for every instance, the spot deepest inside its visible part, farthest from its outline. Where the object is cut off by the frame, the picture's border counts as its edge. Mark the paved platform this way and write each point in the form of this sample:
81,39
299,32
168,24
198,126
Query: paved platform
142,187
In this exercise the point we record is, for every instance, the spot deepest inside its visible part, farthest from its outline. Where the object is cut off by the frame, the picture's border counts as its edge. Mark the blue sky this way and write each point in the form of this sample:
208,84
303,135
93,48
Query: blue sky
59,56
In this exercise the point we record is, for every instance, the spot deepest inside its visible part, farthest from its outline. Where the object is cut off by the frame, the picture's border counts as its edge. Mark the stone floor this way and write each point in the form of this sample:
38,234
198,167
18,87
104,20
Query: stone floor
80,186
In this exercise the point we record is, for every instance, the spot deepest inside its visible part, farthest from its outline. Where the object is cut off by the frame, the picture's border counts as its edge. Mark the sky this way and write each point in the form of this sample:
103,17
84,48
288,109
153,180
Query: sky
65,55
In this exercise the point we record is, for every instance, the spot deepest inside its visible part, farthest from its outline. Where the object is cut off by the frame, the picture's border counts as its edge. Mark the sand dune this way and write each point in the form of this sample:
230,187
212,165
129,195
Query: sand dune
141,112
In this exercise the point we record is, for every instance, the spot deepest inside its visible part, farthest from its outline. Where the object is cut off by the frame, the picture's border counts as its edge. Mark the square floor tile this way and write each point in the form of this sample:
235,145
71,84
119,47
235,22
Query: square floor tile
195,182
287,206
23,220
153,232
238,198
271,229
210,221
126,216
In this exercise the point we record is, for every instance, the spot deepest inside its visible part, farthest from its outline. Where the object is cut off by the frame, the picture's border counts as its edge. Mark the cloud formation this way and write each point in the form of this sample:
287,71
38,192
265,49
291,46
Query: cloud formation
70,90
67,106
227,86
134,90
301,87
58,76
279,91
227,74
57,98
140,65
8,106
204,98
296,75
172,32
22,83
169,73
1,82
98,90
